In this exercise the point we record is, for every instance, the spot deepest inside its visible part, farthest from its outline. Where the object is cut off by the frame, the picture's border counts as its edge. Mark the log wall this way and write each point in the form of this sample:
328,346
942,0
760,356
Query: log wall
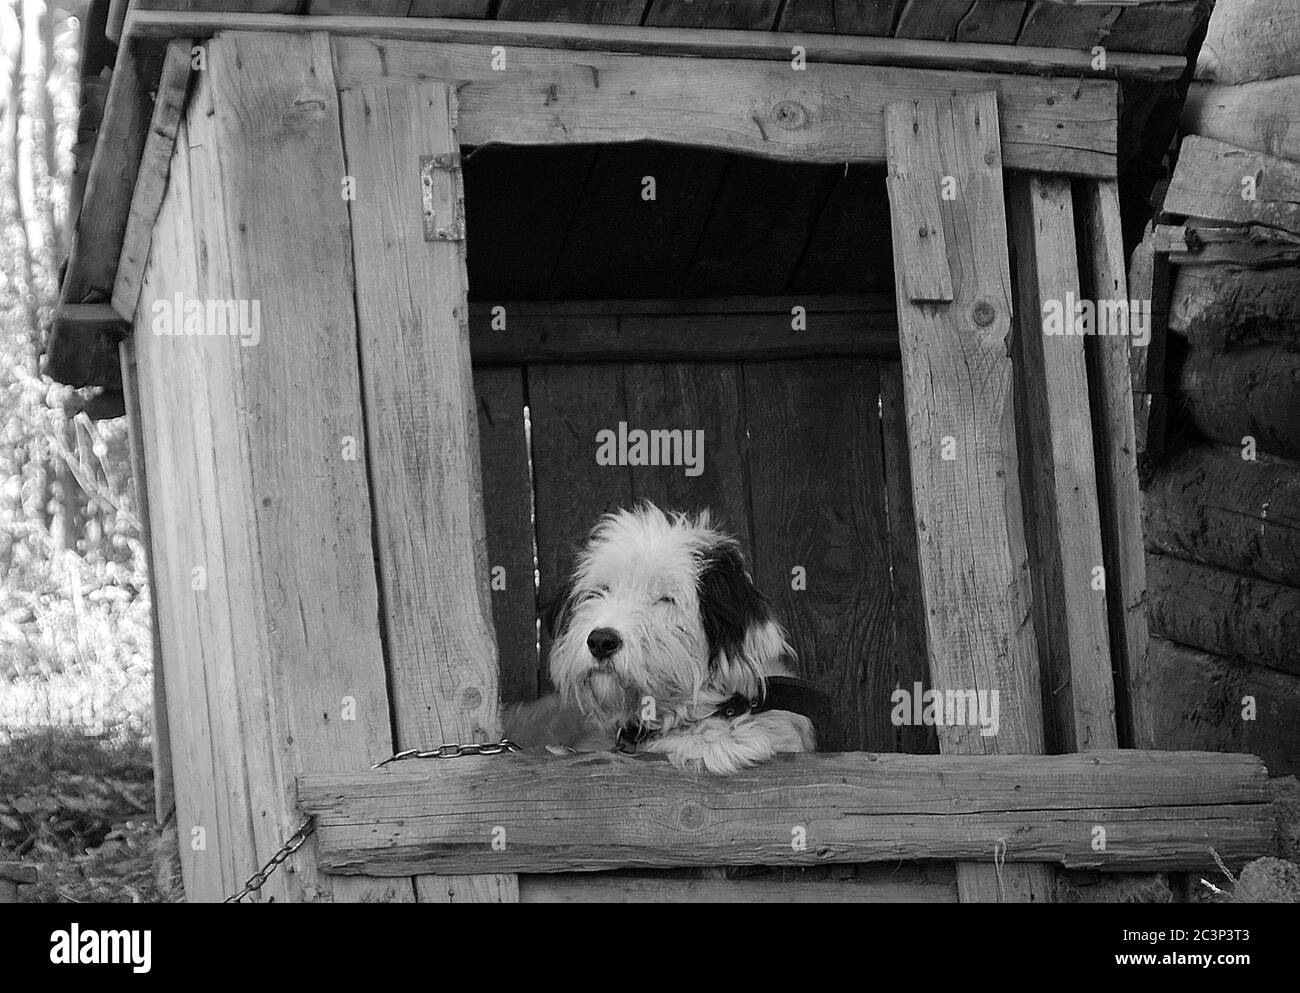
1222,511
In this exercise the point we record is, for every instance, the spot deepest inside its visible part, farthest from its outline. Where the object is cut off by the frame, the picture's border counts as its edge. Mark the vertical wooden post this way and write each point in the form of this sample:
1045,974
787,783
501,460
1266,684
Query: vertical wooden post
422,429
1117,470
954,307
258,445
1059,472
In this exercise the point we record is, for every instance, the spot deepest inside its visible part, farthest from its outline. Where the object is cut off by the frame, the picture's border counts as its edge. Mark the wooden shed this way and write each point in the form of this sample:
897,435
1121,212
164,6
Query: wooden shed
378,272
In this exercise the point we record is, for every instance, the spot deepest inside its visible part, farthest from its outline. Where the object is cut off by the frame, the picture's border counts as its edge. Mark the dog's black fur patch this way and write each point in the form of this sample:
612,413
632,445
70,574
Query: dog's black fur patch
730,603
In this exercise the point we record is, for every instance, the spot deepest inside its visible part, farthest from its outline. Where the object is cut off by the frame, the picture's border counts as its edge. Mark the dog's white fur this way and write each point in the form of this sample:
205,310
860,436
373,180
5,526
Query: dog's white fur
668,585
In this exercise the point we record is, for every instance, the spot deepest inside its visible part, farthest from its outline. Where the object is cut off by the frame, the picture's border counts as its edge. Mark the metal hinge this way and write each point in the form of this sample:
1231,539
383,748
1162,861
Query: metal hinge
451,225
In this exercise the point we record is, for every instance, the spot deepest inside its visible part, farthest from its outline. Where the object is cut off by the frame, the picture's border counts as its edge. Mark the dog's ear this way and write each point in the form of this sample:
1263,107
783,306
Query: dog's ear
555,615
730,604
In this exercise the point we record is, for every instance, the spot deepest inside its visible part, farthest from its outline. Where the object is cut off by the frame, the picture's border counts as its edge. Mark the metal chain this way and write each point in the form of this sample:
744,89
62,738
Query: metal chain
453,750
258,879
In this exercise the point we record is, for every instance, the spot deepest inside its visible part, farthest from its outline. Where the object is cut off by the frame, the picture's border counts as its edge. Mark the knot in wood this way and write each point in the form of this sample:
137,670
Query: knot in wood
691,815
984,313
790,115
471,699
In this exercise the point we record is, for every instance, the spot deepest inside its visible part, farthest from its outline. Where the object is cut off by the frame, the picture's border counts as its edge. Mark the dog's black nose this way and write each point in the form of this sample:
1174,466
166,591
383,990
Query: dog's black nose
603,642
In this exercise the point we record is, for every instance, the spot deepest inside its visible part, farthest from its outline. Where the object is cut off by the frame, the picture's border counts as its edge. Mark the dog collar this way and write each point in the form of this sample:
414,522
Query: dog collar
800,696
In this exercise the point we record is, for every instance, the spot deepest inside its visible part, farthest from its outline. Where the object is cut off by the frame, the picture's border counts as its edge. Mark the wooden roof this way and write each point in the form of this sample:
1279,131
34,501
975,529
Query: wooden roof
1153,26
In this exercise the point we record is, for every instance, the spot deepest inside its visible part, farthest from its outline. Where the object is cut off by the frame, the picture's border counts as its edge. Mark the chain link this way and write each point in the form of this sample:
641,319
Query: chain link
258,879
453,750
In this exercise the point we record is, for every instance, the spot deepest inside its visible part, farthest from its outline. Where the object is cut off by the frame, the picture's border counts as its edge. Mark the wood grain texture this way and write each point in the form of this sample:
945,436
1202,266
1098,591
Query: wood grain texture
1249,40
817,489
302,604
828,113
1203,699
909,651
1216,307
695,397
993,21
1210,183
605,811
151,177
931,883
507,511
1250,393
1209,505
1159,27
569,405
699,329
421,425
1149,279
583,11
936,20
1057,453
1055,24
450,8
1261,116
750,15
847,48
1224,613
958,397
1115,448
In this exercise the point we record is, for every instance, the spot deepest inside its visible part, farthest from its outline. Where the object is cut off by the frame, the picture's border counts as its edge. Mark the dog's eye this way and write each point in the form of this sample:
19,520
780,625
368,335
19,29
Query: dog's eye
668,600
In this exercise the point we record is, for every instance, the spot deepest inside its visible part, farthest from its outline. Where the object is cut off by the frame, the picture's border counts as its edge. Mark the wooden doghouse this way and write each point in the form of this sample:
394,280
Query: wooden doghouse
673,224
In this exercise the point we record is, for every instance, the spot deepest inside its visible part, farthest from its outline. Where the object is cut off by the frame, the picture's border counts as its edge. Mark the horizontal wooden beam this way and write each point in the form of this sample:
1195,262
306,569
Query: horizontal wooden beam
531,813
711,43
828,113
720,329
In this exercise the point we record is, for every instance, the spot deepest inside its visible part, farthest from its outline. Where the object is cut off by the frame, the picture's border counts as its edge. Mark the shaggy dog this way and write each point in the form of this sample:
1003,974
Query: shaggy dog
663,644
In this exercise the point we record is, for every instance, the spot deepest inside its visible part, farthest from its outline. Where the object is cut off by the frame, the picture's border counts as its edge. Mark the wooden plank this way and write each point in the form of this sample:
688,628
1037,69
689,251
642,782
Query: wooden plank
1248,246
849,49
1209,505
1215,307
77,355
750,15
507,510
1158,27
993,21
867,17
1262,116
298,569
557,336
450,8
1224,613
979,631
584,11
413,328
619,243
1149,275
515,234
870,884
790,201
1115,445
361,8
1250,394
1249,40
837,258
569,405
1214,180
702,397
1059,469
151,178
909,647
817,489
169,448
828,113
1204,700
1050,22
936,20
812,16
164,785
603,811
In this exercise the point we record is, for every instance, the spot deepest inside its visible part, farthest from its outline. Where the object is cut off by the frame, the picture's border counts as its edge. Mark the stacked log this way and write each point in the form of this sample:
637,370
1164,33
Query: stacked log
1222,513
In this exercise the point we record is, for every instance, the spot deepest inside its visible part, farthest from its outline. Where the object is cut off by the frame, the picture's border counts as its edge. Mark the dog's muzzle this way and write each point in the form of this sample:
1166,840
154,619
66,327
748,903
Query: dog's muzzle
603,642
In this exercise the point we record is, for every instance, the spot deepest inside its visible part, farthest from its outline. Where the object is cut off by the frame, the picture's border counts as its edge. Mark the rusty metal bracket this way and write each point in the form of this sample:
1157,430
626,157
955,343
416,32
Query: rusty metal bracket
444,228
